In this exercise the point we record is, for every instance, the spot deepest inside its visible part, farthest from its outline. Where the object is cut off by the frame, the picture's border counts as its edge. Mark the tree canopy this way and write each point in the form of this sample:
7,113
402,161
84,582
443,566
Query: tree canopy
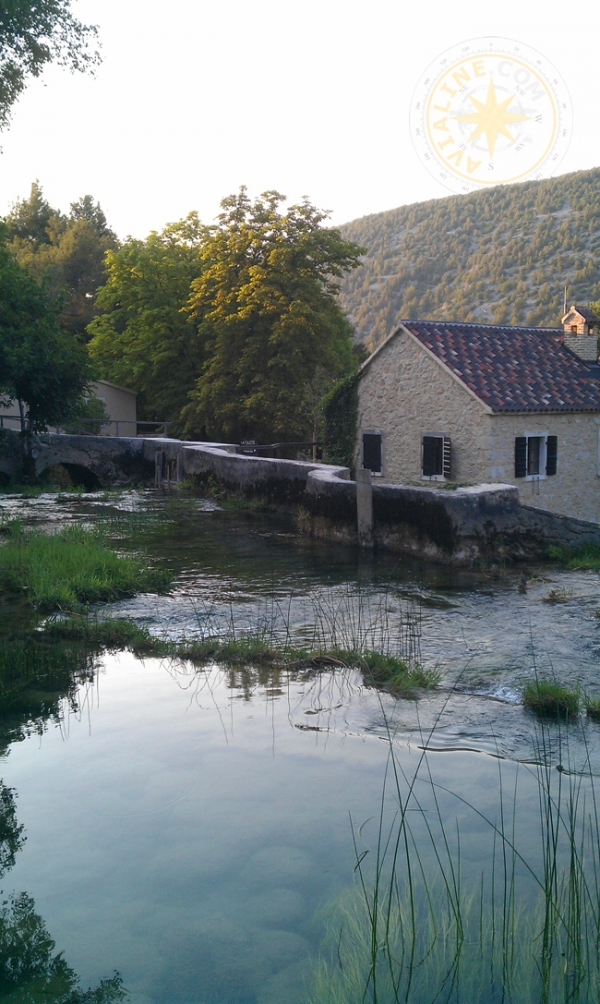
66,252
34,33
228,331
42,367
267,318
143,338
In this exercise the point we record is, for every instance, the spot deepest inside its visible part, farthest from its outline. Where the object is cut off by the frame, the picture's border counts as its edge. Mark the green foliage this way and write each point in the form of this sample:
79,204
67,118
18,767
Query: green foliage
395,674
592,707
267,318
231,331
341,421
66,253
40,365
501,256
89,417
71,567
581,556
143,339
33,35
254,648
550,699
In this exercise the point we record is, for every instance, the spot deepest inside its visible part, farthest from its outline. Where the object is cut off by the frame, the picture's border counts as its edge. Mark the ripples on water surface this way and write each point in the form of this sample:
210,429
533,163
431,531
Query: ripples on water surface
186,827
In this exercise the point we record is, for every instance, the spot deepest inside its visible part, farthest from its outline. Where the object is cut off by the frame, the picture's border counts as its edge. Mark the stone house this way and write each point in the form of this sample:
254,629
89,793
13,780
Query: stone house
447,402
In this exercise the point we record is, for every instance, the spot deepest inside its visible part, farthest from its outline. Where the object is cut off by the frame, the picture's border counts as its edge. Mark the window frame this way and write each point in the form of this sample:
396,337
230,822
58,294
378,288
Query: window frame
445,440
543,461
372,432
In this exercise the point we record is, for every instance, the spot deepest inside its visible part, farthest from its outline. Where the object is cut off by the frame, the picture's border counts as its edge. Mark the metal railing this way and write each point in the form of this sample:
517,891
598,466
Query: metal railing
251,448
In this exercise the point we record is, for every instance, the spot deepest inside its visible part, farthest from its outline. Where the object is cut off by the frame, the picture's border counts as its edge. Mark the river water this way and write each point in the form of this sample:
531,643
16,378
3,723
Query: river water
192,829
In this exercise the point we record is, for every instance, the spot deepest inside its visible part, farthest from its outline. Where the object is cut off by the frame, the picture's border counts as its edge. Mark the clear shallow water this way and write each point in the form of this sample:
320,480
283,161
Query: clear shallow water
187,828
252,569
186,832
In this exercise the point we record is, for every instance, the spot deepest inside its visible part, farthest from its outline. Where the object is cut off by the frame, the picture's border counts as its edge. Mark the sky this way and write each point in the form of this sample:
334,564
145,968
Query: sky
195,98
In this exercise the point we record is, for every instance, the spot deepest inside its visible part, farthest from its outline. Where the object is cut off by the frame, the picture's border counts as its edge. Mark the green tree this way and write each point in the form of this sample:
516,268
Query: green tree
33,34
143,338
67,253
29,219
267,318
42,368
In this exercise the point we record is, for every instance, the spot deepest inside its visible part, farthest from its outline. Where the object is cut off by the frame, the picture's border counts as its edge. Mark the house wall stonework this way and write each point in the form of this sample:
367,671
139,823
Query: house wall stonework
575,488
406,394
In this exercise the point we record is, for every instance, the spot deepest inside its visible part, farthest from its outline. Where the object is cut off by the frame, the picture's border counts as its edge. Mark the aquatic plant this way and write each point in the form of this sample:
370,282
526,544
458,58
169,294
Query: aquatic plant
546,697
412,928
72,567
592,707
253,649
580,556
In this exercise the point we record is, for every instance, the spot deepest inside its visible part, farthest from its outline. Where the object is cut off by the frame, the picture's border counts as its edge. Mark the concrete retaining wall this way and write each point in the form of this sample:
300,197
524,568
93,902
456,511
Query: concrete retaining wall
457,527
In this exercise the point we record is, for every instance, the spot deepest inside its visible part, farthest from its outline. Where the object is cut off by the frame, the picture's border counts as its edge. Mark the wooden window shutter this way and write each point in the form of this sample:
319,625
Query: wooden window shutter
520,456
372,452
447,457
551,454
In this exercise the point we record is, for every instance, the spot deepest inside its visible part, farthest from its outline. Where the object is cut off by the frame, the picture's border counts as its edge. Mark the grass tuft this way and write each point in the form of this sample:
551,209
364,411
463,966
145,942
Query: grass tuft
583,556
71,568
592,708
113,634
550,699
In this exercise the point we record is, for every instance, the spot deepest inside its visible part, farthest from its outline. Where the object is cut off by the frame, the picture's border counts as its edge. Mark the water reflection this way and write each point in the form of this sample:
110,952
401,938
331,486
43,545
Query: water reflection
31,970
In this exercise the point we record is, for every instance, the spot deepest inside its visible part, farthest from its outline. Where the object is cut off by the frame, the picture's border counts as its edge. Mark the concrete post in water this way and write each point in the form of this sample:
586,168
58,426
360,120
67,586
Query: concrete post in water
158,468
180,474
364,506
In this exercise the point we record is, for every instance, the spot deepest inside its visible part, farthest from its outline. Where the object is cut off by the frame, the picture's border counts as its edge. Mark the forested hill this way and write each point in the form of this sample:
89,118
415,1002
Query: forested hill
502,255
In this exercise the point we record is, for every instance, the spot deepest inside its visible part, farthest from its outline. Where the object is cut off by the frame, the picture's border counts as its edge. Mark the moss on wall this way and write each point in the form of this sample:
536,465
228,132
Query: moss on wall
341,421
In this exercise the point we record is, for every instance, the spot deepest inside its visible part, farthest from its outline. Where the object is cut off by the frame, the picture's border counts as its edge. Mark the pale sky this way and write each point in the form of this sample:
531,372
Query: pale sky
195,98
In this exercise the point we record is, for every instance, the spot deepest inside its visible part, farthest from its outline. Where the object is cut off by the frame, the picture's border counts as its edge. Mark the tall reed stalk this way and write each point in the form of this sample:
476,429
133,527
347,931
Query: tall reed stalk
421,925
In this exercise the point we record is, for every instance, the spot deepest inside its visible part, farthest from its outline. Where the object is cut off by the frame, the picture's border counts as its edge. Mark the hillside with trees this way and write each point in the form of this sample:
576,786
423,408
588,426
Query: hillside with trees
499,256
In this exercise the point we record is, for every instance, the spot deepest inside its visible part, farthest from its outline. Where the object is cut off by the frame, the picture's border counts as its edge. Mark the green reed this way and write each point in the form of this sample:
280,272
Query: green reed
526,930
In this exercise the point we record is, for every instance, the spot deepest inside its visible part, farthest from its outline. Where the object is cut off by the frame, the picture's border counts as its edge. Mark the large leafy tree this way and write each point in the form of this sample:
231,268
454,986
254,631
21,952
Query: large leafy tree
268,320
67,253
34,33
144,338
42,367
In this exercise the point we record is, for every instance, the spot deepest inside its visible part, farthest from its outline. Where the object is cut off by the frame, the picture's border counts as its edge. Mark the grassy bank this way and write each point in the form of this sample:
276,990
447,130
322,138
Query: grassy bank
70,568
111,634
584,556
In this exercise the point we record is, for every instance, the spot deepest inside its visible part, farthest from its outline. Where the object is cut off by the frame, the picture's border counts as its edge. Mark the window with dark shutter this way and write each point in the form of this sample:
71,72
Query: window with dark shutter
372,451
551,454
433,456
520,456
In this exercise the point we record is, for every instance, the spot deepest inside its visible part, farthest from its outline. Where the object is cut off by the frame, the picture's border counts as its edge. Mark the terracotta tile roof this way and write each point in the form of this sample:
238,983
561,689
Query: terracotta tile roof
513,369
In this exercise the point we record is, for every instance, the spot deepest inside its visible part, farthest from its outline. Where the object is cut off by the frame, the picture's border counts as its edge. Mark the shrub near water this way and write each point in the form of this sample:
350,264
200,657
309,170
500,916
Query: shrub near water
72,567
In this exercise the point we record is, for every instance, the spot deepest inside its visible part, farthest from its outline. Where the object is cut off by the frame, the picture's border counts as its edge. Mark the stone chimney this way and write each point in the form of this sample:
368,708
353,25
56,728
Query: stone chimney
581,328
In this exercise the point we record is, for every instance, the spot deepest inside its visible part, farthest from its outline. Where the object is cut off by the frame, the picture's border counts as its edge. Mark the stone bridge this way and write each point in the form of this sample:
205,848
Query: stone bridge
460,527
